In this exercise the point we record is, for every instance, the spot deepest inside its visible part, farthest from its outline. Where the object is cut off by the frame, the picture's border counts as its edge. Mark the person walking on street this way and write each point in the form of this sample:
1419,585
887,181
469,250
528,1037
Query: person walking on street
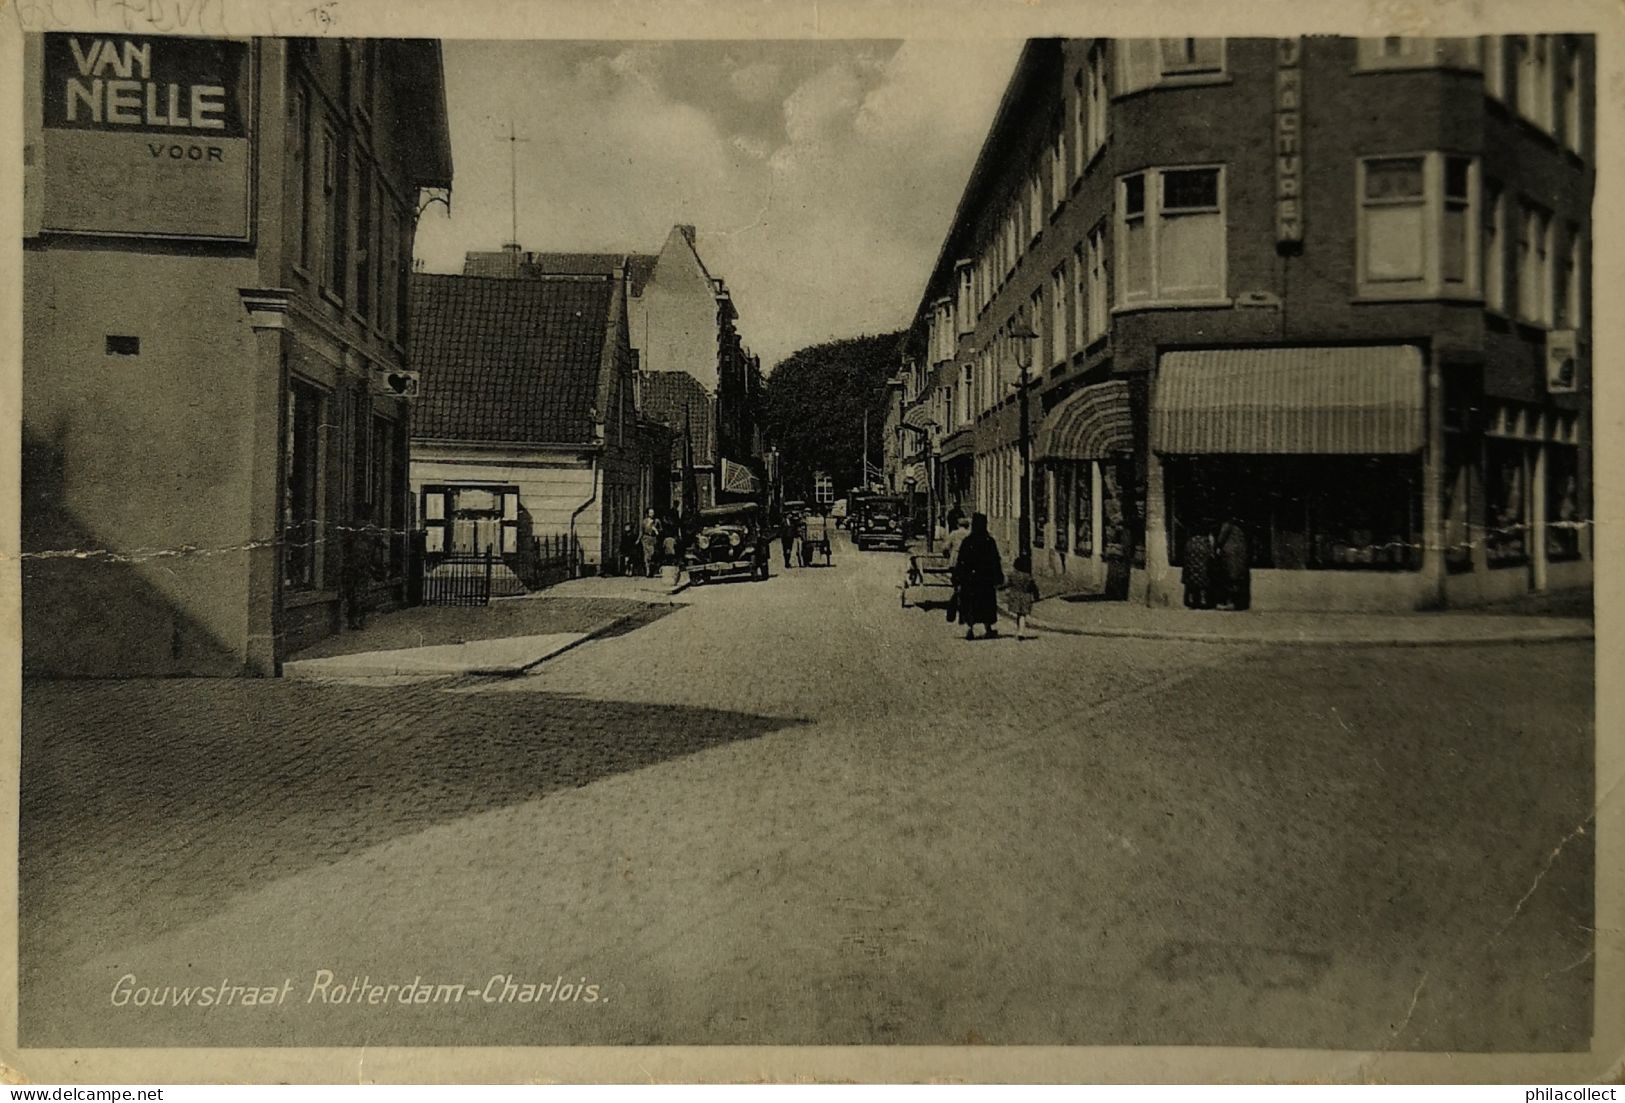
1232,557
631,551
950,551
787,537
651,543
1020,592
955,515
978,574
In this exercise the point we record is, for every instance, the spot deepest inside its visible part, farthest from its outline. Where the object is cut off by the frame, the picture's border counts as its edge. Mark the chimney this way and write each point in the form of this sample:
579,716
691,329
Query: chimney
687,232
512,249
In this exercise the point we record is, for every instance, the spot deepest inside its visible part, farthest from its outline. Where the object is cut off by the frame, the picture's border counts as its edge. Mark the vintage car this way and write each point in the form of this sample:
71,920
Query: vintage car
880,520
731,543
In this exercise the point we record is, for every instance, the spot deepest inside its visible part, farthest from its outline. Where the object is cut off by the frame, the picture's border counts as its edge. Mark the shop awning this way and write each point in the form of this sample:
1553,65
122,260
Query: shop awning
1293,401
1091,424
738,479
914,473
918,415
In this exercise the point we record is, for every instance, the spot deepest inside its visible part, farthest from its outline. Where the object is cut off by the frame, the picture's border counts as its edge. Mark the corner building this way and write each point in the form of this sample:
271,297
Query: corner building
217,398
1335,289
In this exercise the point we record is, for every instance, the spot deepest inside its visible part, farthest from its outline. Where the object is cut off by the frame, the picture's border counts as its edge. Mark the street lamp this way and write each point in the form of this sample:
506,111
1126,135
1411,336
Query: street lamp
1024,336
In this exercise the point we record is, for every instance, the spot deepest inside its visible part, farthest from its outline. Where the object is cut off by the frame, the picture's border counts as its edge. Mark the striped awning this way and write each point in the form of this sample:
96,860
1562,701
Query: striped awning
918,415
915,473
738,479
1090,424
1291,401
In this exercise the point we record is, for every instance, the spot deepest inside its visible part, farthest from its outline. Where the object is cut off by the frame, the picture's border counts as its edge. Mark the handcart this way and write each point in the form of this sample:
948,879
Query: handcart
930,577
816,536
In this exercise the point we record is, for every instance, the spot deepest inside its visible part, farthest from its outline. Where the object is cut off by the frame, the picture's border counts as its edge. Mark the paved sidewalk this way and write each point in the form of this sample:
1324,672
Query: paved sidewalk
1092,616
509,655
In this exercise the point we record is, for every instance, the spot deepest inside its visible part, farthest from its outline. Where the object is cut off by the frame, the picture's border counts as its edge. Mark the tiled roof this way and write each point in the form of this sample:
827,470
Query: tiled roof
676,398
508,360
501,264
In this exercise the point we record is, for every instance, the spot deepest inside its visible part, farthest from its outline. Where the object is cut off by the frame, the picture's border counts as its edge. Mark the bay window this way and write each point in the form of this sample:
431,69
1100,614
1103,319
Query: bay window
1418,52
1148,62
1171,236
1419,231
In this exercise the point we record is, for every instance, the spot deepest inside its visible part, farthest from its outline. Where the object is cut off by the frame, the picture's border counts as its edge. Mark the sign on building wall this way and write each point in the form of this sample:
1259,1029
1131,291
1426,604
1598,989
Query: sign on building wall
148,136
1289,143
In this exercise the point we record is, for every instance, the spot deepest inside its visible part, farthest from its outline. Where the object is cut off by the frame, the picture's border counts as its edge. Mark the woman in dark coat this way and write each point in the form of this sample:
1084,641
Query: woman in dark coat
1197,574
978,574
1233,565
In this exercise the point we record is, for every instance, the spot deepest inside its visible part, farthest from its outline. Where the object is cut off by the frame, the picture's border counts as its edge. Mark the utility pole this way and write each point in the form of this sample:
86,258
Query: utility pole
1025,338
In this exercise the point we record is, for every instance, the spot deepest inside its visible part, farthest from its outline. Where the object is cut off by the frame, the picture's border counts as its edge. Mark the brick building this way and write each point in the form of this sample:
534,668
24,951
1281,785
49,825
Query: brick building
218,237
1335,289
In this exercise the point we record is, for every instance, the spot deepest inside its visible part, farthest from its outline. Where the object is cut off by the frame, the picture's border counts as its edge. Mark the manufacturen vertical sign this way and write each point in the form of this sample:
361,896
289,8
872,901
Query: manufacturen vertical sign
1289,145
147,136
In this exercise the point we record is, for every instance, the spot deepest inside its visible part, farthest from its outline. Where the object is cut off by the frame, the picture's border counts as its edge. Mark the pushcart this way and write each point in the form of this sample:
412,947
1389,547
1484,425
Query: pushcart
816,537
930,577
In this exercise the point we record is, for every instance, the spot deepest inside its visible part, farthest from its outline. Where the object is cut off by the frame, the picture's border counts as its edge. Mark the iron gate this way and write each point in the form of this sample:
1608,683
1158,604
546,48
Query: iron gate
457,578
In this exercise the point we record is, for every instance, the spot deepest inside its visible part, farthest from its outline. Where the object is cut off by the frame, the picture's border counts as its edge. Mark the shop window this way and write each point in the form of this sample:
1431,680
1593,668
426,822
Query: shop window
1416,52
1172,236
1040,491
1457,507
1506,543
1301,512
1083,493
1416,236
302,486
1063,504
1564,518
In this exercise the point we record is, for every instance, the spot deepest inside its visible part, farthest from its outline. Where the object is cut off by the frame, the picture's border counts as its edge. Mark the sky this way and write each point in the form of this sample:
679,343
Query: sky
820,176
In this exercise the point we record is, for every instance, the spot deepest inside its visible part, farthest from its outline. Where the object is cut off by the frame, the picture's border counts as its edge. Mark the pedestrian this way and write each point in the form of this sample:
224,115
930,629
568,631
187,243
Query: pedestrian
955,515
651,543
950,550
1021,592
978,574
1232,558
1197,574
357,575
787,536
631,551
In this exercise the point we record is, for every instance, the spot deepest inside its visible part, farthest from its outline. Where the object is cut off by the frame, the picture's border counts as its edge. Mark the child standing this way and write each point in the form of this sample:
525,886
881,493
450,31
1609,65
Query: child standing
1020,591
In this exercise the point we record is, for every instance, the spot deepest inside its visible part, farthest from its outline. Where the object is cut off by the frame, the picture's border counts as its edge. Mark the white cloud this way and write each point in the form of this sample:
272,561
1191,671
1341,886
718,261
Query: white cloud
826,231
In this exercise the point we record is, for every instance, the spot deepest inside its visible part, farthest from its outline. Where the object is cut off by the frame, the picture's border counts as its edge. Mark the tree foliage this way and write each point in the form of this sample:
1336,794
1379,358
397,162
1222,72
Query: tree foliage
815,404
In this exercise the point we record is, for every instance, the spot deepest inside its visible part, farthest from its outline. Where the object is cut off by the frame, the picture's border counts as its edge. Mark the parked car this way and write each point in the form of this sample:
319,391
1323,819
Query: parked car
881,520
837,512
731,543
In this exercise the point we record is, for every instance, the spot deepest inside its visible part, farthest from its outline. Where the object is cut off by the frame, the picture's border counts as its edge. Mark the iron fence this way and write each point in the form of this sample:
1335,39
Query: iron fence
457,578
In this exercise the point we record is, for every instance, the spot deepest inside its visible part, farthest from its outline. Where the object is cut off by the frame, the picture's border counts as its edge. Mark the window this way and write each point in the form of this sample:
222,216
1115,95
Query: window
1098,315
335,192
1505,542
1097,99
1057,314
1080,123
1415,52
1057,173
1572,76
1534,266
1417,215
1191,55
1171,236
1569,313
1494,48
1495,247
365,246
1147,62
1080,296
1033,354
299,155
1035,208
1533,73
301,486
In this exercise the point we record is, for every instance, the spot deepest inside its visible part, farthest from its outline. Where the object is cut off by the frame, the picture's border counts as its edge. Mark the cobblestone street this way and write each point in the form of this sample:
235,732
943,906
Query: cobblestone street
794,812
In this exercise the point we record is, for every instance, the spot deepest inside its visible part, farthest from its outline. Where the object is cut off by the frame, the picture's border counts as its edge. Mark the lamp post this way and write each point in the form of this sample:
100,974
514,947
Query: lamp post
1024,336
